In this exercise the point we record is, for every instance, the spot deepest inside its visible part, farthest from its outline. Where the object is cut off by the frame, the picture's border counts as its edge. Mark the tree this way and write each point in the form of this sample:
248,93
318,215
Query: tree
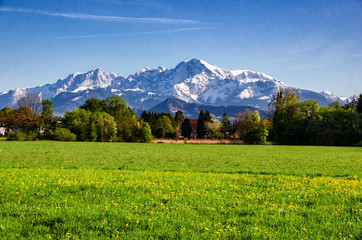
179,118
250,128
213,130
145,134
186,128
225,125
5,118
46,115
106,126
94,105
164,122
117,107
201,125
286,118
336,126
359,104
29,111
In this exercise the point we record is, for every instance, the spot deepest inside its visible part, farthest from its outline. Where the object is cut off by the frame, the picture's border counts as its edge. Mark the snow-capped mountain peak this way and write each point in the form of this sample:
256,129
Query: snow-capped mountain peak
76,82
194,81
329,95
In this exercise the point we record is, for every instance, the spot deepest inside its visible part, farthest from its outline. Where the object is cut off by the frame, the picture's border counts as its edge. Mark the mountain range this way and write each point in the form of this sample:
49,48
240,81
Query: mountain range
193,82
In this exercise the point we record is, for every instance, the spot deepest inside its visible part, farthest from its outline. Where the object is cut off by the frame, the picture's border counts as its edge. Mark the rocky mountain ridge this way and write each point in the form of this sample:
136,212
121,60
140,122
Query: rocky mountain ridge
193,81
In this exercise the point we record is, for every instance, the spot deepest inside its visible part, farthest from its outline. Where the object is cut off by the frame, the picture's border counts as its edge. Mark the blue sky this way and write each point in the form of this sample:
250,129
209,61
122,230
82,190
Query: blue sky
314,45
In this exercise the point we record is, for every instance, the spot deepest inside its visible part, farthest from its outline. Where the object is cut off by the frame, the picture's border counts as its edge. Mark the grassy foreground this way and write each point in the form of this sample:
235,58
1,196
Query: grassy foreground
137,191
286,160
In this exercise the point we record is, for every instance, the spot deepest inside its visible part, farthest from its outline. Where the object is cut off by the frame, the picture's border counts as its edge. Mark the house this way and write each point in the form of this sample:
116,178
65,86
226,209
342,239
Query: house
2,131
193,127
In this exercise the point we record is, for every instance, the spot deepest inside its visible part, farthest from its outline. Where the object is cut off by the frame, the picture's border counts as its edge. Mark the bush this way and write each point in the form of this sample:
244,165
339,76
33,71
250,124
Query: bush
16,136
64,134
31,136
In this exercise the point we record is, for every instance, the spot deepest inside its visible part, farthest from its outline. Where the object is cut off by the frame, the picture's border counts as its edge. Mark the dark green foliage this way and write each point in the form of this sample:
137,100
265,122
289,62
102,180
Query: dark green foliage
250,128
296,122
179,118
225,125
208,117
94,105
63,134
144,133
157,121
186,128
201,123
165,123
47,116
103,120
5,118
160,132
286,117
335,126
20,136
359,104
201,132
90,126
106,126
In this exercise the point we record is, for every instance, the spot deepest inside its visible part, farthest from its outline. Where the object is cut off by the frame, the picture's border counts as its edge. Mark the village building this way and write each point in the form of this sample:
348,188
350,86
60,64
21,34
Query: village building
2,131
193,127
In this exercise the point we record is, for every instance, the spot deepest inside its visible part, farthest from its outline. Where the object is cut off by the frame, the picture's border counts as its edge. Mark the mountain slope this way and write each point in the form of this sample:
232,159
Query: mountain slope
192,110
193,81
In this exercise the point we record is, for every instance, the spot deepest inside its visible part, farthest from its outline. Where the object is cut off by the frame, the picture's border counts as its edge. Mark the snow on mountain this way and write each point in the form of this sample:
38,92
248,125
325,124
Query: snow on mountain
193,81
329,95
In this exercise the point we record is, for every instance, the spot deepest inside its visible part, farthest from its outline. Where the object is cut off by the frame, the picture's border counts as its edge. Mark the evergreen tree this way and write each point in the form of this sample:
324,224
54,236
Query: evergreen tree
359,104
186,128
201,125
225,125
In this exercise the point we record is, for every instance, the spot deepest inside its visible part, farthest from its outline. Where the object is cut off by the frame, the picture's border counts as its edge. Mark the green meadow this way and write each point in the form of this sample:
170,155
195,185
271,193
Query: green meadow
173,191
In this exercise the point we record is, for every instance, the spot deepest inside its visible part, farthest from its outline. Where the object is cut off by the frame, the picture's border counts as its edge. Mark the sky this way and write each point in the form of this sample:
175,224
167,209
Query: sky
314,45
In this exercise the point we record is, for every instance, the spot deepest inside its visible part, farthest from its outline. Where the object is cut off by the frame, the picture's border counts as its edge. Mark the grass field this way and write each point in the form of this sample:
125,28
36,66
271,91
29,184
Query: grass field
165,191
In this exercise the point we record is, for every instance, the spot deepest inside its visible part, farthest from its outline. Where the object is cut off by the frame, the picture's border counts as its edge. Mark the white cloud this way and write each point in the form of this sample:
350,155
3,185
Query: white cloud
136,33
101,17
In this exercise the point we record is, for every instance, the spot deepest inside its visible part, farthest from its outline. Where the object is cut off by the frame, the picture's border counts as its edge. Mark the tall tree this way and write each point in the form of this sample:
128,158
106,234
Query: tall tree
46,114
179,118
186,128
287,120
225,125
5,118
359,104
201,125
29,111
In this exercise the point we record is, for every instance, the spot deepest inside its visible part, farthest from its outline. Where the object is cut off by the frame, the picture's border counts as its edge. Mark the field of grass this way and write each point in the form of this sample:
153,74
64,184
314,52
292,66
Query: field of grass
255,159
164,191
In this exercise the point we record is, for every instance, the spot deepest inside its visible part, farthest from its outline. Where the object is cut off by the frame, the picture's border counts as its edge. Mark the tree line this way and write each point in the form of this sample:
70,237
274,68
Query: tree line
291,121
